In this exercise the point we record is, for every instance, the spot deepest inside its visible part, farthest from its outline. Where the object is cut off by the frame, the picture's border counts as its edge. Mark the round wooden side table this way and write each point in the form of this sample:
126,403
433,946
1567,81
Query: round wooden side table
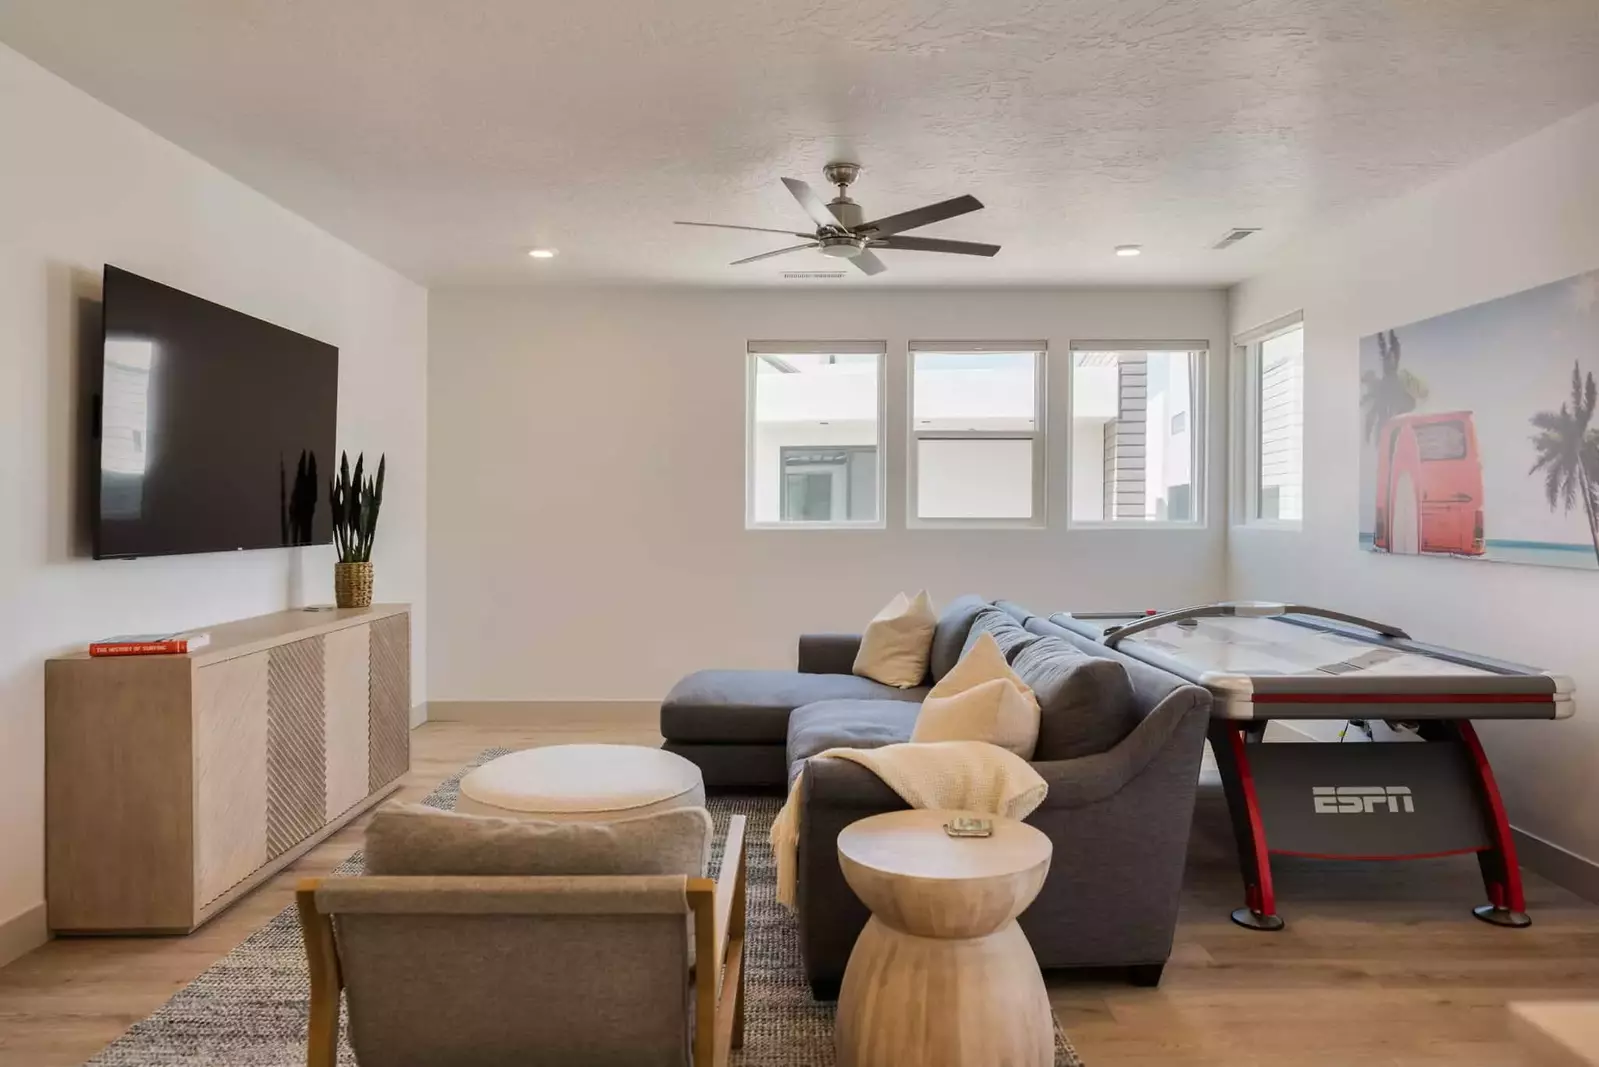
942,976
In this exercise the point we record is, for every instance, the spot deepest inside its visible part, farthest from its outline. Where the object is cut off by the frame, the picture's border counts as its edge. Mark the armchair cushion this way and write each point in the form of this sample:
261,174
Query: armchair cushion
1085,703
413,839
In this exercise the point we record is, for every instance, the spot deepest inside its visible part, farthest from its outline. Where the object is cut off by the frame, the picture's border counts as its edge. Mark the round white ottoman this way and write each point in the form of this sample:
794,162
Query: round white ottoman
582,782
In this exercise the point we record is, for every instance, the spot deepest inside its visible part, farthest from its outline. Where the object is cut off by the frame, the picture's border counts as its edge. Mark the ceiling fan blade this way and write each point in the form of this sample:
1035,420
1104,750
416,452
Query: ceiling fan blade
814,206
769,255
922,216
867,263
935,244
752,229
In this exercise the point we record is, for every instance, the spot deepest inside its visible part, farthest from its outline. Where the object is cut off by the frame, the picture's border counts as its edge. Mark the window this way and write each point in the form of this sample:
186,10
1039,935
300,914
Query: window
976,426
1440,440
1274,375
1137,421
815,434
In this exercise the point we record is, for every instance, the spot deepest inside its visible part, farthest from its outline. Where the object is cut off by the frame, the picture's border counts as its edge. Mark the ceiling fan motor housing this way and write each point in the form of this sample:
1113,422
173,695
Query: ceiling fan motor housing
842,246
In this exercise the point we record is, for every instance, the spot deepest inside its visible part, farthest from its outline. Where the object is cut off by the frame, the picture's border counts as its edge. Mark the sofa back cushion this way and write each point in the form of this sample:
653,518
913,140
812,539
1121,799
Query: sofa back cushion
1085,703
1010,635
949,636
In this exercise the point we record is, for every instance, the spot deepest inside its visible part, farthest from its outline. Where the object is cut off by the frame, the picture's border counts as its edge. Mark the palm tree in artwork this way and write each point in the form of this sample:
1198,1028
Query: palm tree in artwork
1567,446
1391,392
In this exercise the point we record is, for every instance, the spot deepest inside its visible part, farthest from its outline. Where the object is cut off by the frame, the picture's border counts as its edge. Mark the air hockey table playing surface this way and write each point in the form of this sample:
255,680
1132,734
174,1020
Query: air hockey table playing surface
1384,801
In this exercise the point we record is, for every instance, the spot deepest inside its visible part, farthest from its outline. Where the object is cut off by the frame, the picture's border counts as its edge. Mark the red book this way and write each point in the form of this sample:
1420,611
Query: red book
150,644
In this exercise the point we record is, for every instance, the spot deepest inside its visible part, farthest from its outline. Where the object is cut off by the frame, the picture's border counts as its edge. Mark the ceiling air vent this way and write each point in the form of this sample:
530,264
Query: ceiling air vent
1235,235
811,275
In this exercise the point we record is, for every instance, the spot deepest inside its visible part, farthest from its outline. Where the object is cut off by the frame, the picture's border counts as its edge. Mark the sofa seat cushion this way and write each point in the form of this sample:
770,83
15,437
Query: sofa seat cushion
826,724
753,706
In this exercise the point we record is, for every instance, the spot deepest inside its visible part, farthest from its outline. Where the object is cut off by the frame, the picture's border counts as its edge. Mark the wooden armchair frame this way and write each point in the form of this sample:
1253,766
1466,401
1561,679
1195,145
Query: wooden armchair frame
719,912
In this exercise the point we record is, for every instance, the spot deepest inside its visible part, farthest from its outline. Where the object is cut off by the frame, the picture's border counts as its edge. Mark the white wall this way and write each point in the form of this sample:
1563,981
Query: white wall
1525,216
586,513
81,185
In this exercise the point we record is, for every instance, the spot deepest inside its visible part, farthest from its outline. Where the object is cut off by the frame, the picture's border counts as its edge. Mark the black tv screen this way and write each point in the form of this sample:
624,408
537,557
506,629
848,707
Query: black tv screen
216,429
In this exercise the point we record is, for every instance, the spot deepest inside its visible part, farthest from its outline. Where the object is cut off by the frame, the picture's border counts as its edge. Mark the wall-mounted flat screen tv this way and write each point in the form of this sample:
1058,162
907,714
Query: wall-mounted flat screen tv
215,429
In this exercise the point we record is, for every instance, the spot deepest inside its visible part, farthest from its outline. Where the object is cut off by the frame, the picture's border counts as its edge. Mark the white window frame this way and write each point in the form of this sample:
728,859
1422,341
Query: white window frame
1247,418
753,351
1038,435
1198,427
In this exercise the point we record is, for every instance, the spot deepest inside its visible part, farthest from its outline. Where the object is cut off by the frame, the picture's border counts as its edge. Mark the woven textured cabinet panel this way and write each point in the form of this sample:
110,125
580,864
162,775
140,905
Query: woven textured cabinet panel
389,720
296,744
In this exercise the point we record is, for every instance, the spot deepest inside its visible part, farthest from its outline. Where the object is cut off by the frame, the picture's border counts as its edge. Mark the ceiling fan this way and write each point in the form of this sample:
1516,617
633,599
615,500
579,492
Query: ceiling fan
841,233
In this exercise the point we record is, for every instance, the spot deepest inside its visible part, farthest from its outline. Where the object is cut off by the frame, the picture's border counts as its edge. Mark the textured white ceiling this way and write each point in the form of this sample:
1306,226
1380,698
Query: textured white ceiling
445,137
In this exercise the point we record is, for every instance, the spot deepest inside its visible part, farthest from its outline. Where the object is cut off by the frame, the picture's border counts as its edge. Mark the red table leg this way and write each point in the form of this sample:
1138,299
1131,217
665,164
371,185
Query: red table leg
1501,875
1228,742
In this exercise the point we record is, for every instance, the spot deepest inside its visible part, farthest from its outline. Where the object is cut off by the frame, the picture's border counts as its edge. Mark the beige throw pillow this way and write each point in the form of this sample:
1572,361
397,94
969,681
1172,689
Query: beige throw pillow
897,642
981,699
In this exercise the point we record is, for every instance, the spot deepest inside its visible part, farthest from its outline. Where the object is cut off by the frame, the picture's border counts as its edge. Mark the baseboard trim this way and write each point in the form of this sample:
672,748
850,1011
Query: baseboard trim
1561,866
22,933
556,714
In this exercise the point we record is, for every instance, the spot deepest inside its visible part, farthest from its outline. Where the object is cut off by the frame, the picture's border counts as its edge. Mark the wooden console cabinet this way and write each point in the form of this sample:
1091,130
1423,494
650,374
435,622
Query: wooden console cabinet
175,784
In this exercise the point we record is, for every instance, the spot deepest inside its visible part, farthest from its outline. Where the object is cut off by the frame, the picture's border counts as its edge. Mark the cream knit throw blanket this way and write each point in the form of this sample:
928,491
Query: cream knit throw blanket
964,775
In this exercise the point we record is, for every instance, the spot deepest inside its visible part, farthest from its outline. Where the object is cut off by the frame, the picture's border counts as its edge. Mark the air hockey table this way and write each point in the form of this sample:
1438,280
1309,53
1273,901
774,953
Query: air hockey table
1391,800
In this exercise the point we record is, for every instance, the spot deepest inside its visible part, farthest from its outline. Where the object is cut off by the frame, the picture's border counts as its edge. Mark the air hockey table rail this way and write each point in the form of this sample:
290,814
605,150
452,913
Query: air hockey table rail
1384,801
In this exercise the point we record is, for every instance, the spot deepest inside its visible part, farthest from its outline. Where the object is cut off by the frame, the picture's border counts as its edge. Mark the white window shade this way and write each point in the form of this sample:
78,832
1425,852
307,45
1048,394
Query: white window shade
974,478
977,427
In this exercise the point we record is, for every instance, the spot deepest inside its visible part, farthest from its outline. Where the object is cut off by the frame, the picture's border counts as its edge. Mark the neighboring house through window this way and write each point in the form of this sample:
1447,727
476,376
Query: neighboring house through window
1274,422
1137,419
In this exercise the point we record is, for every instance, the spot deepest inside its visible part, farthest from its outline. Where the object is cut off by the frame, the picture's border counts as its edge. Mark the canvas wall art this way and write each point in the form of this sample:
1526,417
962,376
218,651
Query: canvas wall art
1478,431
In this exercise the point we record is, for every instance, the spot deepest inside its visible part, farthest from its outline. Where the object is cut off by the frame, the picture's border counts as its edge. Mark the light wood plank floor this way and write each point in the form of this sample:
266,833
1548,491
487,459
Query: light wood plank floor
1381,966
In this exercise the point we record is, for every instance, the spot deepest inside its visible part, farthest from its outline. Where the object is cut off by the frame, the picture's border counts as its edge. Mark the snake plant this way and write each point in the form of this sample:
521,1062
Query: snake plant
355,502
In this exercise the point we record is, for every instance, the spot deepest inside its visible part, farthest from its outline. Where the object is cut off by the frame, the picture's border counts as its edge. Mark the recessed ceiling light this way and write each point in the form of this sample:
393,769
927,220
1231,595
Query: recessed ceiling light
542,253
1129,250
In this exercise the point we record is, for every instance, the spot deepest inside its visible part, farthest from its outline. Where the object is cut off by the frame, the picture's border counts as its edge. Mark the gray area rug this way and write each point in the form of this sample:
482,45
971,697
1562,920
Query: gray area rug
249,1008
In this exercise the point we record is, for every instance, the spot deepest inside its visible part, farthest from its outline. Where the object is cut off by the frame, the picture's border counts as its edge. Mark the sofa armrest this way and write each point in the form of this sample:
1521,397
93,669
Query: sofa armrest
845,785
828,653
1076,783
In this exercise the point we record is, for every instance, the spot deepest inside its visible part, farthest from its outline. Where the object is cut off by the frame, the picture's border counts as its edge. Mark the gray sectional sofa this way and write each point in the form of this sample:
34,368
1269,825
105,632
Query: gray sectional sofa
1119,744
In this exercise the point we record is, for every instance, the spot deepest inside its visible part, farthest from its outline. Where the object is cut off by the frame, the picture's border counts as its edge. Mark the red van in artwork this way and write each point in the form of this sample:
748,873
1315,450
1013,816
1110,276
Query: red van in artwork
1429,485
